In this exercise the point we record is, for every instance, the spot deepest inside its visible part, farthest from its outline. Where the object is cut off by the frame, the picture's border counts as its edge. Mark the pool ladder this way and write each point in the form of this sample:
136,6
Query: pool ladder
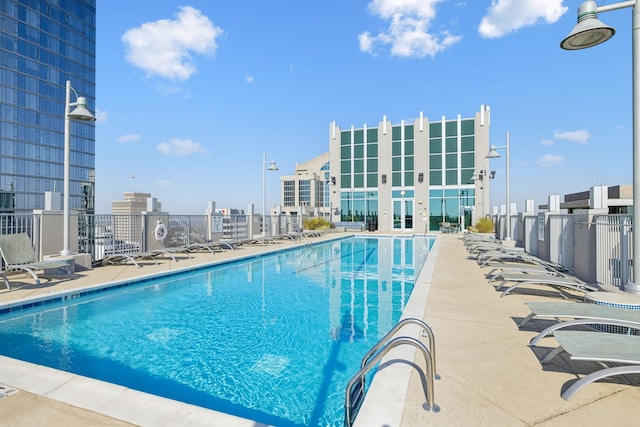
355,396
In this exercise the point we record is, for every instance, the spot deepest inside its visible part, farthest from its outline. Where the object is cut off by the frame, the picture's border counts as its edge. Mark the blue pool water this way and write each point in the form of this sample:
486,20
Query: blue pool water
273,338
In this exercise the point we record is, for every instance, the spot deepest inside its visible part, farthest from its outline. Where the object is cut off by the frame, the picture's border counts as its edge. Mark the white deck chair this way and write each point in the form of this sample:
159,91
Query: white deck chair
569,314
18,254
557,281
598,347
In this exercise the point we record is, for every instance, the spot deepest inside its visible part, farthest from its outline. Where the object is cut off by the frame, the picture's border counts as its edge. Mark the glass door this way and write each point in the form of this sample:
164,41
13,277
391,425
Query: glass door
403,214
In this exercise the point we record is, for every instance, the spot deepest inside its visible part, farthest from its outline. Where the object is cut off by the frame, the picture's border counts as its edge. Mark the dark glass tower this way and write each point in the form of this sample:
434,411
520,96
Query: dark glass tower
42,45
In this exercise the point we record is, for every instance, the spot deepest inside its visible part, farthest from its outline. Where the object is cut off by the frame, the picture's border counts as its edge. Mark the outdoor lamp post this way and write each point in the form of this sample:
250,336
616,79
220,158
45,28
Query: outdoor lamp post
590,31
493,153
272,167
79,113
331,182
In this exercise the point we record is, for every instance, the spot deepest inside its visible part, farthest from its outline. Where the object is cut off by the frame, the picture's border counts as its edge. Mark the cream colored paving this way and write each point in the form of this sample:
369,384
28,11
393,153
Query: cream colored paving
490,377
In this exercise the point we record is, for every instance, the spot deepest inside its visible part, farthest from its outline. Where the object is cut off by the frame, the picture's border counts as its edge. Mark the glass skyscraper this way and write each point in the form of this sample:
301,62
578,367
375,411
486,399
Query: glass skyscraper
42,45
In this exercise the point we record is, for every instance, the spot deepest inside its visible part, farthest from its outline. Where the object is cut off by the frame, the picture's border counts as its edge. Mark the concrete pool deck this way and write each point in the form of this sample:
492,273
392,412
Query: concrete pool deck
489,375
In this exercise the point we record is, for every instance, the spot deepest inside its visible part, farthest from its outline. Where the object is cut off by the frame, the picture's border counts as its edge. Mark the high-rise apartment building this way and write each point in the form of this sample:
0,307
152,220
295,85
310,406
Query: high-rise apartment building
411,176
42,45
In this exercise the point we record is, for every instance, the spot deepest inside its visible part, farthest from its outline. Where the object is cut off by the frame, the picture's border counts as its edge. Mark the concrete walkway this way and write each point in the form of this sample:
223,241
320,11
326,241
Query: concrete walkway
489,376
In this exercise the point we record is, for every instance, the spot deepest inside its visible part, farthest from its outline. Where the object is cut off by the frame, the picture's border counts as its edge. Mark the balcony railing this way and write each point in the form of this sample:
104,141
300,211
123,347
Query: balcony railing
605,238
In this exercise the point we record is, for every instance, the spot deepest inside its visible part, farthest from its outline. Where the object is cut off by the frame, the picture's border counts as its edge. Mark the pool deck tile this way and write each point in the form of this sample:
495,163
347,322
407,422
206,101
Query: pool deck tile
489,375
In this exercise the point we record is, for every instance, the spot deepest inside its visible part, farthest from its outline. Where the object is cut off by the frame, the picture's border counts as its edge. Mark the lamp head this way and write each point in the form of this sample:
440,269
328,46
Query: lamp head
589,31
493,153
272,166
81,112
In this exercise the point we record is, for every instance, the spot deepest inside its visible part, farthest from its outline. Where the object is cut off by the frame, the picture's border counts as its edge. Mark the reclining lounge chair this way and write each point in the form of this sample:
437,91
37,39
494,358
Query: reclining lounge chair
558,281
599,347
18,254
578,313
497,268
212,247
487,258
134,257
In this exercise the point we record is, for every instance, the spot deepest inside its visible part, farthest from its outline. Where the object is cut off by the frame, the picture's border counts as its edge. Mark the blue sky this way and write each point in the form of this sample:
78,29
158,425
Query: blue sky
190,95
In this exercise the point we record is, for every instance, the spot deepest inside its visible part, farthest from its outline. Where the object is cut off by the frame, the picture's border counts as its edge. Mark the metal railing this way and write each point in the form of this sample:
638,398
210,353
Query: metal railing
609,236
106,235
12,223
186,230
355,390
614,250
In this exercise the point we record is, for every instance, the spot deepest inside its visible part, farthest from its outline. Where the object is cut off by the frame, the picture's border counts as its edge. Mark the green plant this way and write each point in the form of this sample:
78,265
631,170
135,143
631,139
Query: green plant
485,225
316,224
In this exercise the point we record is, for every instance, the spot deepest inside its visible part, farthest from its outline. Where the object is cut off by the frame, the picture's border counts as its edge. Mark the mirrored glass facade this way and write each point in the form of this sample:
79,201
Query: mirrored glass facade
42,45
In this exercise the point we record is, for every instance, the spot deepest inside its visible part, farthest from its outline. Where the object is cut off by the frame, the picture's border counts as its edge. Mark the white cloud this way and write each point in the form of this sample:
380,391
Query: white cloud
549,160
164,47
180,147
130,137
580,136
547,142
101,116
248,79
507,16
408,32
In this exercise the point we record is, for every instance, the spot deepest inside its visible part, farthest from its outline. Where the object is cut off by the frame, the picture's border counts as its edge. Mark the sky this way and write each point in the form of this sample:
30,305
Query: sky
190,94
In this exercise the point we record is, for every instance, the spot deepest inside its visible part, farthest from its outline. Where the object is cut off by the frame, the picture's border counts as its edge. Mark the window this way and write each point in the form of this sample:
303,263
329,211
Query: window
451,128
289,193
305,192
467,127
435,130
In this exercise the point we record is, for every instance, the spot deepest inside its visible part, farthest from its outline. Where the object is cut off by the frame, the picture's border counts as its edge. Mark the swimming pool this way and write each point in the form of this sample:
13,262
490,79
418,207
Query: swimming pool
273,338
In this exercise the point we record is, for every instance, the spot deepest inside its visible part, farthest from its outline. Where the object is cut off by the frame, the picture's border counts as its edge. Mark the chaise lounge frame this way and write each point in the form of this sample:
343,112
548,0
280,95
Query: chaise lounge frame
601,347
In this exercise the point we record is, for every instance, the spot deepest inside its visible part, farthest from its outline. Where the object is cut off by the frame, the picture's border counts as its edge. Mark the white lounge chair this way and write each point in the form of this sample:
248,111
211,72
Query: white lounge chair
134,257
569,314
558,281
497,268
18,254
305,233
507,256
599,347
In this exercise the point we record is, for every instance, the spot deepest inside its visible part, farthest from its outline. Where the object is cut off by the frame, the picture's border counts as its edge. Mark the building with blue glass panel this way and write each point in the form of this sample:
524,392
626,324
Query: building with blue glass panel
42,45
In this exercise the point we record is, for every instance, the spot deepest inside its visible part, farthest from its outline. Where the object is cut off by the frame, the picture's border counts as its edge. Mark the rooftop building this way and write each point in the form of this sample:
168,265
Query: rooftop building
390,176
135,203
616,199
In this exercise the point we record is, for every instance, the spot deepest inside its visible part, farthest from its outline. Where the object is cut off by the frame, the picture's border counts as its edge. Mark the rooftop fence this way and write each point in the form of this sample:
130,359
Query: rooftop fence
597,247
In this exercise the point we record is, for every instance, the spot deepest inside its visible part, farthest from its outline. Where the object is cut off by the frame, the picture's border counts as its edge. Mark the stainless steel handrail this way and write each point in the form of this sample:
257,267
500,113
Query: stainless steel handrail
430,405
396,328
353,400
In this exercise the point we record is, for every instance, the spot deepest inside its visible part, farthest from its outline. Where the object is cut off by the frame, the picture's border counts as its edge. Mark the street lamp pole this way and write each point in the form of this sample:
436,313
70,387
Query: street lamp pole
330,184
493,153
272,167
590,31
83,114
